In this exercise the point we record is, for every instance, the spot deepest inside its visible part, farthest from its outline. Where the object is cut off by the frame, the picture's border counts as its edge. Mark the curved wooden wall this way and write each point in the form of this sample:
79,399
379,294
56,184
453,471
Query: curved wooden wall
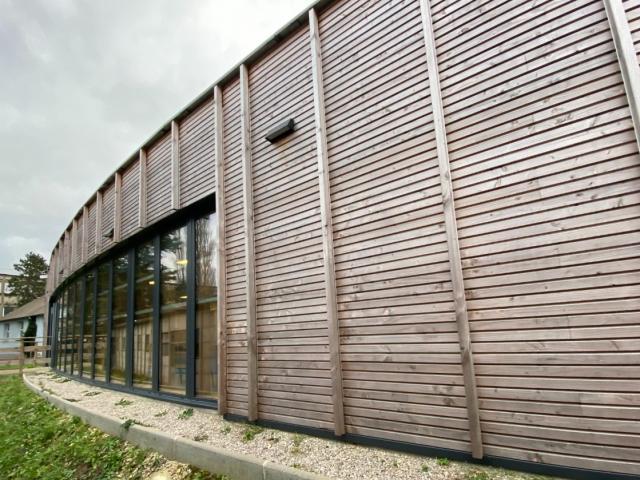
445,250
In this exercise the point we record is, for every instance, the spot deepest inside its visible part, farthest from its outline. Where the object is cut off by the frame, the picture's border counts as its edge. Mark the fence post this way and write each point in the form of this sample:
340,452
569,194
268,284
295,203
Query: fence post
21,359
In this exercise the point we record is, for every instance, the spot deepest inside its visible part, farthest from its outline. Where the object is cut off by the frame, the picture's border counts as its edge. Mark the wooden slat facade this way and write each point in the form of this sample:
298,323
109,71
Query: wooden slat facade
130,211
197,162
489,220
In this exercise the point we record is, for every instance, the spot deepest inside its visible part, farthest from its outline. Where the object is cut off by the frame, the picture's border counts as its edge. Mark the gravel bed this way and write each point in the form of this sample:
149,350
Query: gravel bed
337,460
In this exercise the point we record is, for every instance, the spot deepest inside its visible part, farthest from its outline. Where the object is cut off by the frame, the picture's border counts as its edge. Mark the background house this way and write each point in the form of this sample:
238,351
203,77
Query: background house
16,322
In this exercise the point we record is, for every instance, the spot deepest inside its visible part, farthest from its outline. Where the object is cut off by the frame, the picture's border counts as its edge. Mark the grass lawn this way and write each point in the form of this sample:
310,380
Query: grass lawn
39,441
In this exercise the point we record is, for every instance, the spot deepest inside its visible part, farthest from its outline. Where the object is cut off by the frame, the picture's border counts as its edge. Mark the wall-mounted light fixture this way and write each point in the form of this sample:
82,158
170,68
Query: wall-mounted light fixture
281,130
109,233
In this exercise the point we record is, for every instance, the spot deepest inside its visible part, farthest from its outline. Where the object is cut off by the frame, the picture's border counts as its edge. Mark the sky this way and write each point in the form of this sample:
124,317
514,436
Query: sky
83,83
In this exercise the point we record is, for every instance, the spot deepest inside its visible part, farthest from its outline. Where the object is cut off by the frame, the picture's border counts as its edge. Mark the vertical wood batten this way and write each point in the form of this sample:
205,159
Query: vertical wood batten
327,227
175,165
222,256
83,248
626,53
455,263
252,340
98,242
142,205
117,221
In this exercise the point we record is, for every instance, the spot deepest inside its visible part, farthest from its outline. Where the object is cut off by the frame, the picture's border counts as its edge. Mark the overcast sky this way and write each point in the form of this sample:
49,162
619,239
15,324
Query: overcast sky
83,83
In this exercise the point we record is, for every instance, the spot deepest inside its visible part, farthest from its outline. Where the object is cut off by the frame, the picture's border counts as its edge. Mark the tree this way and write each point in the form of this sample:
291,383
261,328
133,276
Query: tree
28,284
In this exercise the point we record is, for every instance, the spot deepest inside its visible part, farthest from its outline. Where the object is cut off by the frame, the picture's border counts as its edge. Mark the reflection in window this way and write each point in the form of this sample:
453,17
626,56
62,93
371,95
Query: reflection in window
119,322
173,278
101,321
65,341
206,303
87,342
77,325
143,319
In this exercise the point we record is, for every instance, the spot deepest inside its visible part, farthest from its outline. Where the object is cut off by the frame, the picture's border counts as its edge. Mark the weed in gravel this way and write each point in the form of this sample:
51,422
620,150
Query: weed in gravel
161,414
72,400
250,432
123,403
188,413
127,424
92,394
443,462
226,429
424,468
297,442
273,438
477,475
201,437
297,465
395,463
63,380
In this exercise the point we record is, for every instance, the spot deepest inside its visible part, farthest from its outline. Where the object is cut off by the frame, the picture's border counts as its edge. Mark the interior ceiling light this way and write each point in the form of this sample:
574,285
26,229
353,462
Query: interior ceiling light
182,261
281,130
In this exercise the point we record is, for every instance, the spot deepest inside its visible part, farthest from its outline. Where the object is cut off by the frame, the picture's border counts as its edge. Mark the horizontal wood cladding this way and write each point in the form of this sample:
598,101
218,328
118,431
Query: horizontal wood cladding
402,377
197,162
130,213
236,301
291,303
159,179
108,217
546,176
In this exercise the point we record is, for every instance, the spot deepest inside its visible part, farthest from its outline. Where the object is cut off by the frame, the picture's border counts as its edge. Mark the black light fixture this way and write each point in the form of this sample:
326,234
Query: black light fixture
281,130
109,233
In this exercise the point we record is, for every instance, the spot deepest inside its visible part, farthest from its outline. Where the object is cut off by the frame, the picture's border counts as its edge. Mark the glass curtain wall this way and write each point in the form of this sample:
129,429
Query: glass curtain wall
163,293
119,322
206,350
101,322
87,338
173,311
143,316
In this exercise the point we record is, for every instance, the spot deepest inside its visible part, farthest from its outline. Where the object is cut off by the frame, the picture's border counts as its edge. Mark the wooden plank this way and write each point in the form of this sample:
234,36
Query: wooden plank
222,256
142,200
117,221
452,235
625,50
252,344
175,165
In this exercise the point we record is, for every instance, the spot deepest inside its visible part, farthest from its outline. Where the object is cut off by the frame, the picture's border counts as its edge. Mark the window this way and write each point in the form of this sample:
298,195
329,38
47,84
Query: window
206,306
119,322
87,339
173,311
7,328
101,321
143,317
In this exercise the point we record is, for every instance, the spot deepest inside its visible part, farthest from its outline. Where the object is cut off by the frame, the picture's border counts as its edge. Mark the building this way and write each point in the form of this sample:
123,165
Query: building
14,325
412,224
8,301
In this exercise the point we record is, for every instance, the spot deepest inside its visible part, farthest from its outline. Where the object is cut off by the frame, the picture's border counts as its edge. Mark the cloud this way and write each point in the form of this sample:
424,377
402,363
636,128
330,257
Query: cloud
84,84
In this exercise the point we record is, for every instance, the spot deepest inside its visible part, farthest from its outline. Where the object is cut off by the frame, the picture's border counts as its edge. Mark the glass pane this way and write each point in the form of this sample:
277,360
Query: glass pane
119,324
206,297
77,325
101,321
67,359
143,320
173,346
87,347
